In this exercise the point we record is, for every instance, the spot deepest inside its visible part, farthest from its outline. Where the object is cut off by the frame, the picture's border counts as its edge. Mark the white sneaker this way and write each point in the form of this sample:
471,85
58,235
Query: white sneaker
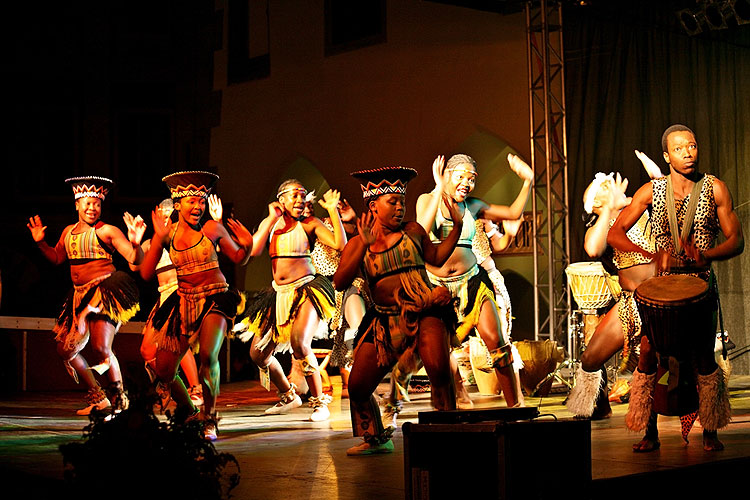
366,448
320,413
282,407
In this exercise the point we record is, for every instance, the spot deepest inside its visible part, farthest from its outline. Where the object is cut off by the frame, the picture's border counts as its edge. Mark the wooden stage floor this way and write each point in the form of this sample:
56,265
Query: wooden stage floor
288,457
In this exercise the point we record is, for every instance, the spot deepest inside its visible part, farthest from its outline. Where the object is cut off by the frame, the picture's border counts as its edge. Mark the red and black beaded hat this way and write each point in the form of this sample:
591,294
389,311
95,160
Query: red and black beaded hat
384,180
192,183
90,186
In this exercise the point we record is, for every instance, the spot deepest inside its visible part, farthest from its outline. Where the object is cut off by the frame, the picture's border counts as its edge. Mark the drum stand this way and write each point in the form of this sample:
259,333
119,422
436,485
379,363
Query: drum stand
581,325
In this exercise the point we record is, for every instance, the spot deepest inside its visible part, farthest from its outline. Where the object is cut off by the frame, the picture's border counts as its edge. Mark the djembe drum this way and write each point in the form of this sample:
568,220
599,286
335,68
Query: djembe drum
591,291
677,316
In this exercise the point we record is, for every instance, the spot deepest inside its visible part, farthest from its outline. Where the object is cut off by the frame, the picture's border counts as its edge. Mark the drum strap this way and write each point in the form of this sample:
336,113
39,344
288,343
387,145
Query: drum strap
677,237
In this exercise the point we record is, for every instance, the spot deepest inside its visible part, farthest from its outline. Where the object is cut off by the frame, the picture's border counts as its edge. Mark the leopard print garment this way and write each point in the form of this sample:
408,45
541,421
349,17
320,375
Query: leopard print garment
705,225
641,234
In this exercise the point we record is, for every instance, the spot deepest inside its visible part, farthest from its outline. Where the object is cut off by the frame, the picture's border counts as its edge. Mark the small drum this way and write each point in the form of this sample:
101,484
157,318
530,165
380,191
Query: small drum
677,316
589,285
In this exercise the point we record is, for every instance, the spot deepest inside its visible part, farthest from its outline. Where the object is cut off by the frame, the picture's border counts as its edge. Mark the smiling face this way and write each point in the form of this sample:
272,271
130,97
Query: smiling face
293,200
682,152
462,181
389,209
89,209
191,209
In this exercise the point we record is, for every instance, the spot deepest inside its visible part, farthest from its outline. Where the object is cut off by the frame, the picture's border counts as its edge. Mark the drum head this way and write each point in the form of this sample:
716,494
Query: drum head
585,269
674,289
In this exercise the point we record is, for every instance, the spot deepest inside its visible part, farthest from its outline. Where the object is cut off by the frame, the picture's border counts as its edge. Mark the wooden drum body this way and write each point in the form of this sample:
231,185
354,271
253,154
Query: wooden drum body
677,316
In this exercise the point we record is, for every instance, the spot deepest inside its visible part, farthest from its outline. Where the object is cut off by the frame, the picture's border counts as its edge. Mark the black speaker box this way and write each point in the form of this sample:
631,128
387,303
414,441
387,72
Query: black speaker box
529,460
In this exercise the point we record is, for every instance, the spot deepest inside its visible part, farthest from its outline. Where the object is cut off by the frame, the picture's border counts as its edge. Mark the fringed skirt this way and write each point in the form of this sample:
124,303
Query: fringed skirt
394,329
165,291
271,313
114,296
182,314
470,290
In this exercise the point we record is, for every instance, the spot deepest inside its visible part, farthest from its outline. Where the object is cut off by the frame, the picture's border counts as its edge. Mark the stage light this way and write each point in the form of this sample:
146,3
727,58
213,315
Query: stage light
717,14
741,10
691,21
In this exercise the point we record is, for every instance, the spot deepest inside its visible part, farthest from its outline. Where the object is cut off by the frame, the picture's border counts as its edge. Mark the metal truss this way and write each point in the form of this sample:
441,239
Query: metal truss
551,246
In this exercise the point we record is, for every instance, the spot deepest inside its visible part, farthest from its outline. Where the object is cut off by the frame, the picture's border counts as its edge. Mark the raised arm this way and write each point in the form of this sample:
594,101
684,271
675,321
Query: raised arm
354,252
515,210
609,201
55,254
236,246
437,255
261,236
162,226
617,236
429,203
129,247
337,238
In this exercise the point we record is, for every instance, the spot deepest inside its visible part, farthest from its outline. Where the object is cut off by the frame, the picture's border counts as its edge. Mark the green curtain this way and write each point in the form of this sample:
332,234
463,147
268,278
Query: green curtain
631,71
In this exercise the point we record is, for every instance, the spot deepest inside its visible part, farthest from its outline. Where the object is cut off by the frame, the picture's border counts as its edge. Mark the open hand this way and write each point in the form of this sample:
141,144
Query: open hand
136,228
36,228
242,235
215,208
161,224
366,228
330,200
347,212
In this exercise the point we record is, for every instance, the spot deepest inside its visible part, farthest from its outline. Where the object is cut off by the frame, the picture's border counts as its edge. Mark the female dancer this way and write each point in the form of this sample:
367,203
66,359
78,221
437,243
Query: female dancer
167,278
408,317
620,328
204,306
287,315
102,298
461,274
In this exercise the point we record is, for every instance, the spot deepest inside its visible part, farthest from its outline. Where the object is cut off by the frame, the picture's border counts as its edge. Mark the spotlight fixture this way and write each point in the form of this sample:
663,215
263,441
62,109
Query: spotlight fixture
717,14
741,10
691,21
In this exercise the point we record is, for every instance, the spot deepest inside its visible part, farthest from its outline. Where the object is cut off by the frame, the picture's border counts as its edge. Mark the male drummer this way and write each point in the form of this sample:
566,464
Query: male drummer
690,251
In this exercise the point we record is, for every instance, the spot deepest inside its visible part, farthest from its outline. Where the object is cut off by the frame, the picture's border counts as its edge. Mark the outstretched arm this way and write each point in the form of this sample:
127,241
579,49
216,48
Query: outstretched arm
55,254
238,245
515,210
337,238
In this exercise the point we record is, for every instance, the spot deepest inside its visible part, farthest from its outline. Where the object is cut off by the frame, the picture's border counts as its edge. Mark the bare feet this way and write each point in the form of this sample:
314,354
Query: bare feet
646,445
711,441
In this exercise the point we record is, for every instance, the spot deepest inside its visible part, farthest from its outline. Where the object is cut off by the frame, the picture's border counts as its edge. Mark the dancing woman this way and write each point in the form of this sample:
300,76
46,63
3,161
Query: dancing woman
102,298
461,274
204,306
408,317
287,315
